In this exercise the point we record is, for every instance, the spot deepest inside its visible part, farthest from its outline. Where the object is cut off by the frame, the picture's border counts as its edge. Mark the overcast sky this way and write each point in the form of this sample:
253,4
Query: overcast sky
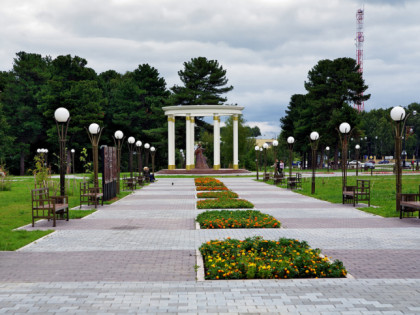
266,46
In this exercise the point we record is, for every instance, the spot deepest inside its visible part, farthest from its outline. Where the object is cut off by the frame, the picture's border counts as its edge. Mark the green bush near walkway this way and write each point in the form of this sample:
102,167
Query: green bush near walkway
16,211
382,191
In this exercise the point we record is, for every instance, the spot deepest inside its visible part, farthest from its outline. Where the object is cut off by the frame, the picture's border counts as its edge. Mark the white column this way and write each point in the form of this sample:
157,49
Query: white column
171,142
235,142
192,130
188,141
216,135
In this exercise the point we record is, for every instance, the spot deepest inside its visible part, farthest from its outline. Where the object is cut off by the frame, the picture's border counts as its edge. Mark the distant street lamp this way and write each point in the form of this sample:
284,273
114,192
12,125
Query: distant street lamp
72,159
345,130
147,147
357,147
94,133
130,142
118,141
62,119
328,158
257,153
275,144
290,142
152,153
314,136
265,147
139,161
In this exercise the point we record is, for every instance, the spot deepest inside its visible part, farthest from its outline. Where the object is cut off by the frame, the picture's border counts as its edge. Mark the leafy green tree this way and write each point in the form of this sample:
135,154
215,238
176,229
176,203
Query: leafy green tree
245,144
75,87
29,75
6,141
204,83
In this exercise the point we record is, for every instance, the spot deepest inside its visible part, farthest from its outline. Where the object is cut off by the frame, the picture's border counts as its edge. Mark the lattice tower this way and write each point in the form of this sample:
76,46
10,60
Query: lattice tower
360,106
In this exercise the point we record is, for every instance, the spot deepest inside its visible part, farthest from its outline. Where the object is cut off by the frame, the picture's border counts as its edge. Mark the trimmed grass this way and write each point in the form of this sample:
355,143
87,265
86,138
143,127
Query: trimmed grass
218,194
256,258
238,219
382,191
224,203
15,211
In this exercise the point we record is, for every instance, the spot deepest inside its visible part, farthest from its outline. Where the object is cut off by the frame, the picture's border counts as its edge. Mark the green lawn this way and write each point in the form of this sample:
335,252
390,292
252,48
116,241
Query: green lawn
382,191
15,211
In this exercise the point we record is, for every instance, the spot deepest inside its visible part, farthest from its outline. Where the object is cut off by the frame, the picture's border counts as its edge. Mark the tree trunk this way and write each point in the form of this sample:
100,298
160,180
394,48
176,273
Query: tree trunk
22,163
336,157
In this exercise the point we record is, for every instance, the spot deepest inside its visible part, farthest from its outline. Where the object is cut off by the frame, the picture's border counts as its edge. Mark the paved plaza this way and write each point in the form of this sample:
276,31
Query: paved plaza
138,256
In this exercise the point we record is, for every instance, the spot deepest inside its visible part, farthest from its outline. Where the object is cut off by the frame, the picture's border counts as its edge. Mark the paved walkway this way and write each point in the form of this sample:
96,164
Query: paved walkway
138,256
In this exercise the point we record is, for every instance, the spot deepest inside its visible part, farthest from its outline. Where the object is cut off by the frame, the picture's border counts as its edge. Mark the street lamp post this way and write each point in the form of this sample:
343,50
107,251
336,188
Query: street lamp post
399,117
265,147
147,147
357,147
72,159
118,141
139,161
130,142
290,141
257,153
94,132
275,144
152,153
314,137
62,118
345,130
328,158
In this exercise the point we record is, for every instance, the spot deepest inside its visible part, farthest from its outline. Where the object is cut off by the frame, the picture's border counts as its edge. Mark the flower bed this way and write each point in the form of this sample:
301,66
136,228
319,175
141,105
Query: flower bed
237,219
217,194
211,188
255,258
208,181
224,203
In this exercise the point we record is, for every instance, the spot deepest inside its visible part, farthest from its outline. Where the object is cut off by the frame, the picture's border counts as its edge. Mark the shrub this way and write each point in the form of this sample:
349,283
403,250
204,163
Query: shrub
256,258
236,219
211,188
208,181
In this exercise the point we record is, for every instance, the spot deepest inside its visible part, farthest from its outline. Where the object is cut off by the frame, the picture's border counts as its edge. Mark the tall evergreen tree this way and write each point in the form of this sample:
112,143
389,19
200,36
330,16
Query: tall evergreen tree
204,83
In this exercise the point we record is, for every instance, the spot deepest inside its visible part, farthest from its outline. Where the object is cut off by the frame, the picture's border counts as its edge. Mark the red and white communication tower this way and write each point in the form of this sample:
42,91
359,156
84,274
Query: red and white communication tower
360,106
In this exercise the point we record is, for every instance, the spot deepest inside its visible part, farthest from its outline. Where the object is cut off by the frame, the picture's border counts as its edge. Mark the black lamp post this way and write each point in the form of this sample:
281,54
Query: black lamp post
152,154
357,148
94,133
72,159
62,118
118,141
265,147
139,160
147,148
328,158
314,137
130,142
290,142
399,117
257,154
344,130
275,144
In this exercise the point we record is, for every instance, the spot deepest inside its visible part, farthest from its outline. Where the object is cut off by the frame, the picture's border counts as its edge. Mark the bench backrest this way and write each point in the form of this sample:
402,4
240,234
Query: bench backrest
363,185
40,198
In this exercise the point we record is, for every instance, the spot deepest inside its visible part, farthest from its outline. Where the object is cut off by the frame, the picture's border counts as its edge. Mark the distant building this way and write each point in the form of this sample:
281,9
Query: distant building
260,142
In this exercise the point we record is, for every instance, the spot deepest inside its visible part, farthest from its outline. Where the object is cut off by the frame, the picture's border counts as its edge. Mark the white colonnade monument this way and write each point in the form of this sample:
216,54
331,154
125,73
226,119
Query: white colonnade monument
191,111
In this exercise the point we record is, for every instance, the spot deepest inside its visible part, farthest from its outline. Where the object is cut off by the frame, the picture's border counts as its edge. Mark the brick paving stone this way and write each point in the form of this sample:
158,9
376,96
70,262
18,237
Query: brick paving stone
162,265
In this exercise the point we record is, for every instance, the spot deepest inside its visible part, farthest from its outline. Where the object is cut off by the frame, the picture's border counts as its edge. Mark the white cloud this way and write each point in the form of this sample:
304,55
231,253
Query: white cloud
266,46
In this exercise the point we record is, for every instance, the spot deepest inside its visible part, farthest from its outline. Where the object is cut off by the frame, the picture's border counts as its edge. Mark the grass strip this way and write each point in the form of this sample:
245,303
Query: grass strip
224,203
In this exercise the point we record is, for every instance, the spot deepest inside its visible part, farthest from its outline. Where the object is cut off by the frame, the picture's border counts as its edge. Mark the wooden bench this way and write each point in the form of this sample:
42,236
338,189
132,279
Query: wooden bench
46,207
90,195
279,179
294,182
267,176
360,192
409,203
140,180
129,183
